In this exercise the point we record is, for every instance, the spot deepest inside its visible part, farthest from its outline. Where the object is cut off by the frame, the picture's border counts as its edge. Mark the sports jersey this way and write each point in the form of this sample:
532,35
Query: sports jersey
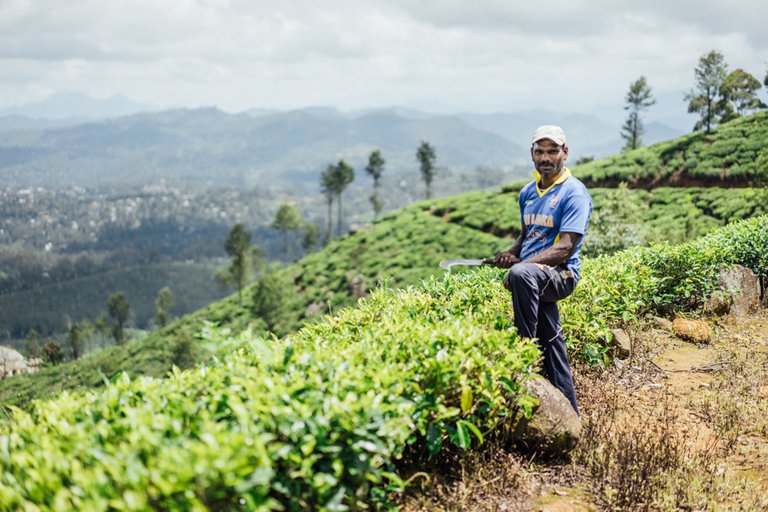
564,207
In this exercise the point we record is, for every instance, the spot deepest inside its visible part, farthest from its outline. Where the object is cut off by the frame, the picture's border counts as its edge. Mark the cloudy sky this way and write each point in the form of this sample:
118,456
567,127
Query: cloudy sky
480,55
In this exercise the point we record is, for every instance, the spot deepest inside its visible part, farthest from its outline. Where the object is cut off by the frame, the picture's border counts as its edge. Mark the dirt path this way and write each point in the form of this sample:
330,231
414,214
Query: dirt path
676,426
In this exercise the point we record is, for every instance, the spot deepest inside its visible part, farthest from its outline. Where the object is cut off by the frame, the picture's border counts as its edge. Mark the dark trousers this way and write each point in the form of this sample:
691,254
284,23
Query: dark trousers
535,292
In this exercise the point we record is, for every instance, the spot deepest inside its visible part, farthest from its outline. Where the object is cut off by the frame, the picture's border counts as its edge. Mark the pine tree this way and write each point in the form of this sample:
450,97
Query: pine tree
426,157
639,97
375,169
704,100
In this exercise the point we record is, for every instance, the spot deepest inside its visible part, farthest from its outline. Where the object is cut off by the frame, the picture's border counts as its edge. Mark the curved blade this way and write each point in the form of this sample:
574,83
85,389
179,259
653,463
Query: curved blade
447,264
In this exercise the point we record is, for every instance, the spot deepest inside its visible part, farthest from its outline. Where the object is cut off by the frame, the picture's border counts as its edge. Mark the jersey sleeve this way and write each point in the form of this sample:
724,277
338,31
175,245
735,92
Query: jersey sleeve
576,212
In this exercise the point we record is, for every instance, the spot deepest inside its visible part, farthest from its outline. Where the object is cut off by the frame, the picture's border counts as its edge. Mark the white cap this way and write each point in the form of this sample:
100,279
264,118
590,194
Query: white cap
551,132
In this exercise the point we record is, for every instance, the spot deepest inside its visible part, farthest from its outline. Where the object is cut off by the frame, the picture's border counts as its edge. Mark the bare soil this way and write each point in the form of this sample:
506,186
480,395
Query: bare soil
677,426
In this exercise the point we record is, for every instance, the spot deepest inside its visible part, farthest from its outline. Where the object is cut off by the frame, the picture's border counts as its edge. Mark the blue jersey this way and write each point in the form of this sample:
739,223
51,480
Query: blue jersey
565,207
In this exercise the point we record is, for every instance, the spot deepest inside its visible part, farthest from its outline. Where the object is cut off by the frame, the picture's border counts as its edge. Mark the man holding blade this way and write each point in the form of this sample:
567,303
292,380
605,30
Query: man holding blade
544,261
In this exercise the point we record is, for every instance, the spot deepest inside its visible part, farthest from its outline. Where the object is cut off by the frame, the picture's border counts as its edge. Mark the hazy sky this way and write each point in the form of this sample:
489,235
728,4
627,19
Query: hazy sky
481,55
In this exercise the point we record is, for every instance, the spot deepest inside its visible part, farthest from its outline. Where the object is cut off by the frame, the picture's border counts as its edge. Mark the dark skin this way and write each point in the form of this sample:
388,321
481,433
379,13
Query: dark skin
548,158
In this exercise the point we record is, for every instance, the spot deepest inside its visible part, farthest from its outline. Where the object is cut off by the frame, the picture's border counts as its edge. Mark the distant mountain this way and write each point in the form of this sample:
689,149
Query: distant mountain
77,105
210,146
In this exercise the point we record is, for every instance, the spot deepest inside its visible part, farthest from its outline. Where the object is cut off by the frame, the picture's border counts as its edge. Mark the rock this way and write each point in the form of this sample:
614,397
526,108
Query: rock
691,330
739,292
661,323
718,304
555,428
11,362
621,343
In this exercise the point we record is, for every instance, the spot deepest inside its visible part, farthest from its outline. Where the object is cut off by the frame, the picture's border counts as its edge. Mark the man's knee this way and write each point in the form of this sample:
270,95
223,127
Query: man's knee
517,275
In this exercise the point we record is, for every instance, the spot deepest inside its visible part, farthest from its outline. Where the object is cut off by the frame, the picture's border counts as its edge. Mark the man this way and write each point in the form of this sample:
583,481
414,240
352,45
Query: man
554,214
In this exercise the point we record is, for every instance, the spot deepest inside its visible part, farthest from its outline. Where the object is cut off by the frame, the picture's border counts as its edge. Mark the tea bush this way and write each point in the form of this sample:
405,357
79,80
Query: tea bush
312,421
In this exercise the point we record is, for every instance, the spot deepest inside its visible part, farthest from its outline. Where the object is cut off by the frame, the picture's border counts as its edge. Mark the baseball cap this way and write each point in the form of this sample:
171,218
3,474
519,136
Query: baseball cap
550,132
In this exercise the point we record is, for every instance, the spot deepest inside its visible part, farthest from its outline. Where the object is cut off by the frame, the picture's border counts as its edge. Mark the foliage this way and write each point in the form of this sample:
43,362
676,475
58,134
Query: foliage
238,247
287,219
311,236
375,169
639,98
52,352
739,93
425,155
119,309
614,225
269,297
314,421
733,154
163,304
710,74
75,340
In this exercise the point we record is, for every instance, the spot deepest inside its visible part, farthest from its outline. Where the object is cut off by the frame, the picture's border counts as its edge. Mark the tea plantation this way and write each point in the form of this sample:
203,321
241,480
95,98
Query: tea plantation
319,419
405,247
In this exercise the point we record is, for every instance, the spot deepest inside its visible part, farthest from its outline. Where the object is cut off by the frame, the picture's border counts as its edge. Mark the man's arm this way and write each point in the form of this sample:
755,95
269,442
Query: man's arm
559,252
553,256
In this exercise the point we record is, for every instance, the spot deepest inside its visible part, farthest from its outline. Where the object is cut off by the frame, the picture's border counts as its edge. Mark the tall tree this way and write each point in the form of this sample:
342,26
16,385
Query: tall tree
163,304
328,186
426,157
270,295
739,93
311,236
120,310
345,175
75,340
704,99
287,219
237,246
375,169
639,98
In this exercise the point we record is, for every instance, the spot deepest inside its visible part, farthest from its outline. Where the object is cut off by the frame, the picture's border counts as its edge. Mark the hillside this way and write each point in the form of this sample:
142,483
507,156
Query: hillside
327,418
735,154
402,249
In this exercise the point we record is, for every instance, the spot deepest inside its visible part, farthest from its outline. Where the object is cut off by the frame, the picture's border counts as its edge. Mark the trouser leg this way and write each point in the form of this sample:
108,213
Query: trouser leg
550,339
535,291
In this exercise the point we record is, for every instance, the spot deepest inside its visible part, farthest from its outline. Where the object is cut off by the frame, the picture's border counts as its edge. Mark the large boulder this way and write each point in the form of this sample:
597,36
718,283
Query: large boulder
11,362
739,292
555,428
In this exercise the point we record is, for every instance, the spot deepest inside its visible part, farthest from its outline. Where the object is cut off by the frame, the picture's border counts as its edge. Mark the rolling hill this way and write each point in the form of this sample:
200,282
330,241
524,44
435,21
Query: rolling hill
405,247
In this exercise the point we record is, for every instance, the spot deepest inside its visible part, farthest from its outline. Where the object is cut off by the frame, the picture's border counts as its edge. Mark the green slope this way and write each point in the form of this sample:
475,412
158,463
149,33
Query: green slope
401,249
734,154
319,419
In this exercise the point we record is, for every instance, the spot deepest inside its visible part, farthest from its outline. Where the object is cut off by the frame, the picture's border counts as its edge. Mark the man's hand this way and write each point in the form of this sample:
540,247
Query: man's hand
505,259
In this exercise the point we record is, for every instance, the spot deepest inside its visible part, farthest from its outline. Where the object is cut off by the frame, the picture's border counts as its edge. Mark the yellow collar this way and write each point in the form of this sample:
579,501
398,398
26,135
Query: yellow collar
566,174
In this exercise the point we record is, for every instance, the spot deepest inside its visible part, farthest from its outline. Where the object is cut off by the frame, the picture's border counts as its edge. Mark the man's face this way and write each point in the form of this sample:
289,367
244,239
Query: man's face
548,157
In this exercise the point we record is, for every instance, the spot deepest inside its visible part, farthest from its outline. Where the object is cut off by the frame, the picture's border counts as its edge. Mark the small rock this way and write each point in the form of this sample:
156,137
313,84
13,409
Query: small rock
621,342
555,428
691,330
718,304
662,323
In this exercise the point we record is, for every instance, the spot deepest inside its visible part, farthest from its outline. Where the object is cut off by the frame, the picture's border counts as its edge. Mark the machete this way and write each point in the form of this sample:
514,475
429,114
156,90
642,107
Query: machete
447,264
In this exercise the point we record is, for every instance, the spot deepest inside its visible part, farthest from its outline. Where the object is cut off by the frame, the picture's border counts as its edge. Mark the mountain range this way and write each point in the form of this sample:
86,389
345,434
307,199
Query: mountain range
41,145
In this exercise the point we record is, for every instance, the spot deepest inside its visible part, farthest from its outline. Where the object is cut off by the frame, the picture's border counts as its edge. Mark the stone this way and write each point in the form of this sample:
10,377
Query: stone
11,362
661,323
554,428
718,304
621,343
691,330
738,292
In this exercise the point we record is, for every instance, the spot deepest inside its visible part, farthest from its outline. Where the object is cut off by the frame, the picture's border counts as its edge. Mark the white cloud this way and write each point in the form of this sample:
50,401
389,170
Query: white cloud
487,54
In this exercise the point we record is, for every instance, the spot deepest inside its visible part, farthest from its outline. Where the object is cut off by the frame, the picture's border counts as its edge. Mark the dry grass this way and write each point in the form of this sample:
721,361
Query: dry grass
690,436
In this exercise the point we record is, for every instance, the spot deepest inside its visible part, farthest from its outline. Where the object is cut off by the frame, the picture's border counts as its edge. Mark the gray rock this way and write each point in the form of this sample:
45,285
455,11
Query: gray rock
661,323
555,428
621,343
739,289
